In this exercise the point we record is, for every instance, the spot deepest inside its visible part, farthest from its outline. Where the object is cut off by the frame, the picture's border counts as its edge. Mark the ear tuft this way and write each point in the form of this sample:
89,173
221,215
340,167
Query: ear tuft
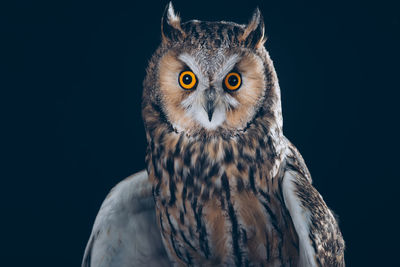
254,33
171,25
172,17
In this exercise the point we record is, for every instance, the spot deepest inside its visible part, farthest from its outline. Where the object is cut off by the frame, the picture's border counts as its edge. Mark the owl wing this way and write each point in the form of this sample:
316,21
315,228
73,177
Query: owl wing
320,240
125,231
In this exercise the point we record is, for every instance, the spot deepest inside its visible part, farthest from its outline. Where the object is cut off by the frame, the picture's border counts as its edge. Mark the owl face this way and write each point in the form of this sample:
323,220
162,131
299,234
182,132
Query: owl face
211,75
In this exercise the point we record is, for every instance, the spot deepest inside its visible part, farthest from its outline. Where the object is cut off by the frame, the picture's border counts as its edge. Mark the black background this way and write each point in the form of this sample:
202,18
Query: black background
71,76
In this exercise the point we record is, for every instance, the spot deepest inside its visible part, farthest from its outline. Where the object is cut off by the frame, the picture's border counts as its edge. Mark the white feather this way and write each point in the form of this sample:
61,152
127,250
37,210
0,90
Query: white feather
227,66
301,220
125,231
194,66
171,13
194,103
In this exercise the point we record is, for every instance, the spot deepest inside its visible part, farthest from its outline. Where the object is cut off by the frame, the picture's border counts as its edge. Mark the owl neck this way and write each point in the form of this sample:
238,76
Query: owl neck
203,159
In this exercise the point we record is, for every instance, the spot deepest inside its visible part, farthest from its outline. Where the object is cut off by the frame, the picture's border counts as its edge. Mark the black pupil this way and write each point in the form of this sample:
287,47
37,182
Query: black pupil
233,80
187,79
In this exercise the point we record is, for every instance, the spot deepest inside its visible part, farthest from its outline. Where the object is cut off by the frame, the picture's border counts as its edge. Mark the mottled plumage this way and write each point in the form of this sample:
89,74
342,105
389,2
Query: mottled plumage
229,189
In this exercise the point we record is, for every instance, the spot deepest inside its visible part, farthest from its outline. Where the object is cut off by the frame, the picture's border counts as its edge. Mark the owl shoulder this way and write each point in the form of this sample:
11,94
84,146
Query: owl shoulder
125,230
320,240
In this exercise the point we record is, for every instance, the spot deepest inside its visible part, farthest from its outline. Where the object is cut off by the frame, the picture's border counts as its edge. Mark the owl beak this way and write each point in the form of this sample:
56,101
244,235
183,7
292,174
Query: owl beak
210,95
210,109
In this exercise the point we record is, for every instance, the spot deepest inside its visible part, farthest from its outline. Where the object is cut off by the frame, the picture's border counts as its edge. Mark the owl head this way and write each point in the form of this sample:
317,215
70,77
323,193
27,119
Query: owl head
210,77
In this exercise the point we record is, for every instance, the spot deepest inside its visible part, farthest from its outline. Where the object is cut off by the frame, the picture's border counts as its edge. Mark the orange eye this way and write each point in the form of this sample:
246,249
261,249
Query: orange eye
187,80
232,81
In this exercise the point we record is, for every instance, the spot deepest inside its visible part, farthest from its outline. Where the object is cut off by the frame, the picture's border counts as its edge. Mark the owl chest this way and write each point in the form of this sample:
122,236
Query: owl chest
209,217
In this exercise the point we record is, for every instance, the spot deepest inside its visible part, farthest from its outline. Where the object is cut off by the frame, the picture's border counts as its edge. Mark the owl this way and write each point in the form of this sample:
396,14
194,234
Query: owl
223,185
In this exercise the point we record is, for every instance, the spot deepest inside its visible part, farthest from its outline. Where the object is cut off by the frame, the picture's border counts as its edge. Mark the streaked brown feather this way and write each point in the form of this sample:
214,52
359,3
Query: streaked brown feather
218,192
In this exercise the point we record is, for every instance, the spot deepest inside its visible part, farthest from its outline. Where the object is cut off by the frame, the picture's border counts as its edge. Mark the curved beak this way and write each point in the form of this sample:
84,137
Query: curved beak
210,95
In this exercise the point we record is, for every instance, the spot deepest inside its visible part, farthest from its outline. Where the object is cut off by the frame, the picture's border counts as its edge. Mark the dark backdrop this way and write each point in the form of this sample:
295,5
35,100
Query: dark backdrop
71,76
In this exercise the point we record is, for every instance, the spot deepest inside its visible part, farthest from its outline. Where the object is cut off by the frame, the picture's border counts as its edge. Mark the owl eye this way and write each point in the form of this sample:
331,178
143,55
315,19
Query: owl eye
232,81
187,80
